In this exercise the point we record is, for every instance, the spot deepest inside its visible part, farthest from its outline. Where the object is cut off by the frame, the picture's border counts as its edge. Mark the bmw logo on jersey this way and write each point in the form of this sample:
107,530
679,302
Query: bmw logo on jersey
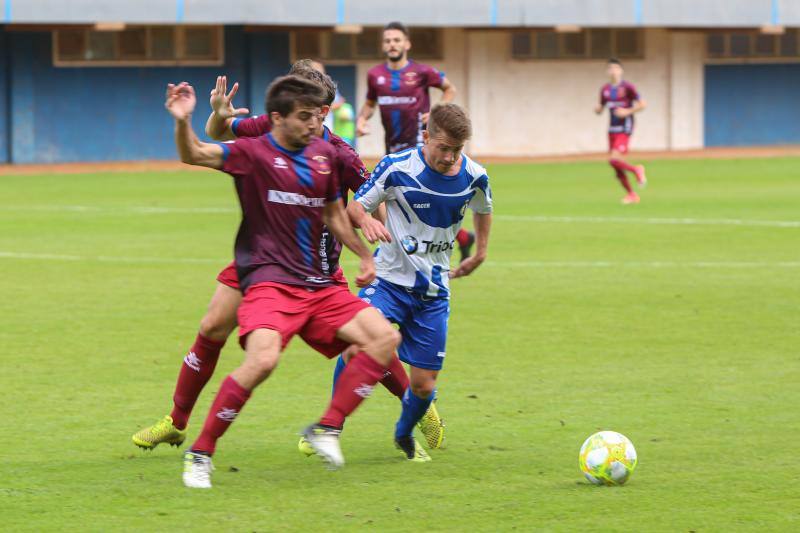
410,244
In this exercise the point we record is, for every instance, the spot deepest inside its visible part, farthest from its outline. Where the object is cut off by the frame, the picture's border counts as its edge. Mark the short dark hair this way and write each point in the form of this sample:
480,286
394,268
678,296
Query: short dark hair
450,119
614,61
287,91
399,26
305,69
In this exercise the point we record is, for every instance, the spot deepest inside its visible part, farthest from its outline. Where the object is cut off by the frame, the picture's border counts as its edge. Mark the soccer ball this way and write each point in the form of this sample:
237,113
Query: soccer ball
607,458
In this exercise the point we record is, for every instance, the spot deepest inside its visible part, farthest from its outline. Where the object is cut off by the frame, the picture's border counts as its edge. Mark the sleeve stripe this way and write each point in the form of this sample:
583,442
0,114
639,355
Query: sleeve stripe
234,125
225,151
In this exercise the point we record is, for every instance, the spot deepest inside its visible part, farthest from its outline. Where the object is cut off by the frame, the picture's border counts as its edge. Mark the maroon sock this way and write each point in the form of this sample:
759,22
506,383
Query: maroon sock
620,164
462,237
227,405
197,368
395,378
356,382
621,176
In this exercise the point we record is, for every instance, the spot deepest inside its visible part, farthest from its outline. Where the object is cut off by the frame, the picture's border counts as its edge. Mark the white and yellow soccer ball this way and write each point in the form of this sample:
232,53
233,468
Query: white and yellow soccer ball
607,458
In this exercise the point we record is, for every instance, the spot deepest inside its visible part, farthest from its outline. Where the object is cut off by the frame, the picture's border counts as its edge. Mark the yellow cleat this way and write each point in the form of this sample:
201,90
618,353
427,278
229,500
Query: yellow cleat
432,427
162,431
305,447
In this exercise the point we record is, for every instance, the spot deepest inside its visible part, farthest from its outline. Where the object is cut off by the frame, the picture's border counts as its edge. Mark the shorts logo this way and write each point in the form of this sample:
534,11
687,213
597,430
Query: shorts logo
409,244
440,354
227,414
281,163
192,361
363,390
324,167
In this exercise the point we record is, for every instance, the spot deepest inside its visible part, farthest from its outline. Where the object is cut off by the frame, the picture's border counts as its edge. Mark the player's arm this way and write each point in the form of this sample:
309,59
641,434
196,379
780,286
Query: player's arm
218,125
380,215
638,105
180,103
448,90
483,225
371,226
366,112
339,224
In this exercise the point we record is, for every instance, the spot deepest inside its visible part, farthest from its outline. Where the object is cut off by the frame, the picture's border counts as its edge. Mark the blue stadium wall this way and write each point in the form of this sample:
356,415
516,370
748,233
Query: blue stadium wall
747,105
50,114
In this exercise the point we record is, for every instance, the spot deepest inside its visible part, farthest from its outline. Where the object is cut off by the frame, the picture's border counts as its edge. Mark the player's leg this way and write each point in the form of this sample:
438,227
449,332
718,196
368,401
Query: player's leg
197,368
618,150
381,296
262,353
423,348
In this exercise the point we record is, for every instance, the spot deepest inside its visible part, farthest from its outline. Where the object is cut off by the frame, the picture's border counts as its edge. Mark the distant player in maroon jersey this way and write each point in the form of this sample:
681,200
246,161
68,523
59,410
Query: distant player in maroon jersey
288,190
220,318
400,87
623,101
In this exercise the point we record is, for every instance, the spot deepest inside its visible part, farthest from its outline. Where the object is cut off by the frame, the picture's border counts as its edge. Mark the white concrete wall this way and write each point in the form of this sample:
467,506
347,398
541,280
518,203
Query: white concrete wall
530,108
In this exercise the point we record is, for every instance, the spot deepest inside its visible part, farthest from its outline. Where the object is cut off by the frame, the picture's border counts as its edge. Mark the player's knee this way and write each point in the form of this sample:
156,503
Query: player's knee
423,388
216,327
264,363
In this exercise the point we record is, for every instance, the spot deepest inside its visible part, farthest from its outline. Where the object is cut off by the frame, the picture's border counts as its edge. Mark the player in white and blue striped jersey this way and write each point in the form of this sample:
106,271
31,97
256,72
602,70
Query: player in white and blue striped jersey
427,191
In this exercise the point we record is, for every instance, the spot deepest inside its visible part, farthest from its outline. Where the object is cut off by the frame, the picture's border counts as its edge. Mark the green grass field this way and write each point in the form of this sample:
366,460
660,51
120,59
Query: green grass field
674,322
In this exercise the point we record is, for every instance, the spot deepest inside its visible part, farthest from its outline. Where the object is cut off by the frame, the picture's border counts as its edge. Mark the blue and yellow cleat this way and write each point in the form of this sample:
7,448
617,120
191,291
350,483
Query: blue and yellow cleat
411,449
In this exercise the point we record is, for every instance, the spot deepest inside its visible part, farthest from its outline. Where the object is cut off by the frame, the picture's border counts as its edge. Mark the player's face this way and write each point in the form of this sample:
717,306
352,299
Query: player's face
395,45
442,152
299,127
614,72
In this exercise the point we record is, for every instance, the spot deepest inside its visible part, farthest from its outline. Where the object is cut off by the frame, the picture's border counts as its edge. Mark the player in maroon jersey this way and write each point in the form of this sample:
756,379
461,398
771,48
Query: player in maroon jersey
623,101
400,87
288,190
220,318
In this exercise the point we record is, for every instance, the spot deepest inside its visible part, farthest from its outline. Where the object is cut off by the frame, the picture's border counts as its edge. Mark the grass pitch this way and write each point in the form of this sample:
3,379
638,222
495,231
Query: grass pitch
674,322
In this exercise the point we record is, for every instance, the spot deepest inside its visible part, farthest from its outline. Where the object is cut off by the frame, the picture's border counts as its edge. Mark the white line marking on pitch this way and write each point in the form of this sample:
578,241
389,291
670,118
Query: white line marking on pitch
154,210
500,264
658,221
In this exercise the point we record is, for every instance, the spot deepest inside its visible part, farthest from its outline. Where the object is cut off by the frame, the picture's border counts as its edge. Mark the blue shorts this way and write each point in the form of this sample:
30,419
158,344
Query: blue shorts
422,321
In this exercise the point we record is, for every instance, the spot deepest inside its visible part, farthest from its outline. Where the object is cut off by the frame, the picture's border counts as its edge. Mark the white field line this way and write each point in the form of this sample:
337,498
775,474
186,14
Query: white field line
495,264
656,221
153,210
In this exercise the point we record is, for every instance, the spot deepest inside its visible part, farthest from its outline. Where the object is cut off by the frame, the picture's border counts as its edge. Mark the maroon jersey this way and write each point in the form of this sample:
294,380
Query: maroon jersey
614,96
252,126
352,172
282,194
403,97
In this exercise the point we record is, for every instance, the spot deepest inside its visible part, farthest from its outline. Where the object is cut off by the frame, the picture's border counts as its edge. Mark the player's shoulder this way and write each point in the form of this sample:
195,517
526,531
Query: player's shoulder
473,168
377,70
319,146
408,161
628,85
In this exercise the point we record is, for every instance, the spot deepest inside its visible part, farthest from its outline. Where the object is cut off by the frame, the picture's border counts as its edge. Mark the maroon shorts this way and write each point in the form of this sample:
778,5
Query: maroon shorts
315,315
618,142
229,277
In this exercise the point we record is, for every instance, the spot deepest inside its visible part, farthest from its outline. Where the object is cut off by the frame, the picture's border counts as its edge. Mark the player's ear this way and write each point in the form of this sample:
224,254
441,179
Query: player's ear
426,137
275,118
324,110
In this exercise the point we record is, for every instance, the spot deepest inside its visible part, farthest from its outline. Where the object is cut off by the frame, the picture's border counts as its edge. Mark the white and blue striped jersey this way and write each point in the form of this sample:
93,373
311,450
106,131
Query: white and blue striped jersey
424,212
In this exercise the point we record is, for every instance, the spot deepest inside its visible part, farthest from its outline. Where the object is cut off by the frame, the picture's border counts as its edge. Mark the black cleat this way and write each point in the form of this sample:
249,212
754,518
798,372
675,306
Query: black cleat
411,449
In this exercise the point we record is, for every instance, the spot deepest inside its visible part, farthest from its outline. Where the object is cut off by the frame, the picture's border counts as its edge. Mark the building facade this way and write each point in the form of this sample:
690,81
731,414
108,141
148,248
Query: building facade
713,73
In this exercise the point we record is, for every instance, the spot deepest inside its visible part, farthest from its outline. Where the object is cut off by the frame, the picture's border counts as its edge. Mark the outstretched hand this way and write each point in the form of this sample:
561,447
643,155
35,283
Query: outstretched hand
181,100
222,101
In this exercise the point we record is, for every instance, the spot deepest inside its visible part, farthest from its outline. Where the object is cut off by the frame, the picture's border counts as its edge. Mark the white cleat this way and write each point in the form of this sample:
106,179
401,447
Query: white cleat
325,442
197,469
